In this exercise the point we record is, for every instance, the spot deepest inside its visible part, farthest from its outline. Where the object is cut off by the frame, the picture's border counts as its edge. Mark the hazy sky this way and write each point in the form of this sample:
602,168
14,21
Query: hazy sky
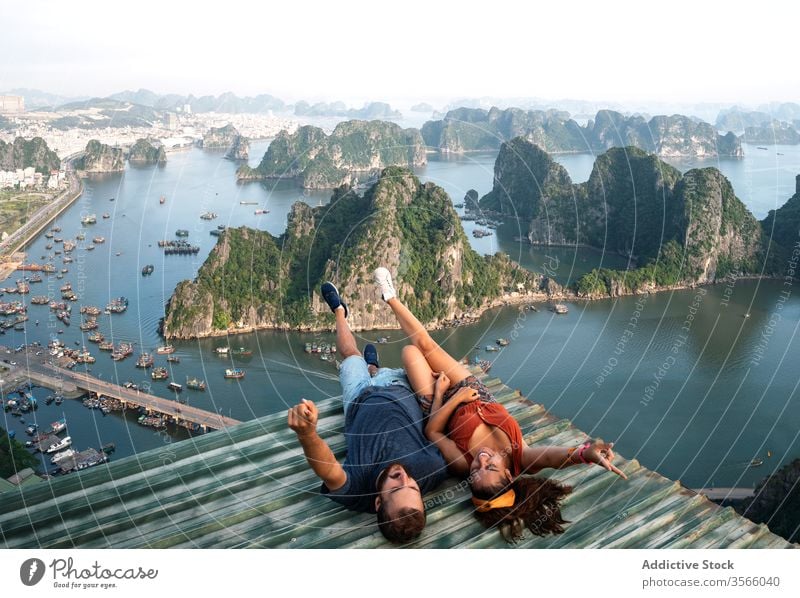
673,51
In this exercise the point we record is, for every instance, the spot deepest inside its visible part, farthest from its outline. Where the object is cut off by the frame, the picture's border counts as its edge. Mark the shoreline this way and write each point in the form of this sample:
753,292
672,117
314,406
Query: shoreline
534,297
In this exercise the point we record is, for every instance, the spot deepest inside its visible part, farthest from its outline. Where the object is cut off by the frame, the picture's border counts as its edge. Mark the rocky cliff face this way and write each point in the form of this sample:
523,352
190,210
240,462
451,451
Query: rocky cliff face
782,228
681,230
464,130
719,234
147,152
240,150
319,161
530,185
776,502
775,133
220,138
252,280
26,153
101,158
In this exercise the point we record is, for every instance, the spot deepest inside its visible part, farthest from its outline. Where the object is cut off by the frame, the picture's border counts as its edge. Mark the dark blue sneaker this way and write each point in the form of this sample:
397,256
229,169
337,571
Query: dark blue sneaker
331,295
371,355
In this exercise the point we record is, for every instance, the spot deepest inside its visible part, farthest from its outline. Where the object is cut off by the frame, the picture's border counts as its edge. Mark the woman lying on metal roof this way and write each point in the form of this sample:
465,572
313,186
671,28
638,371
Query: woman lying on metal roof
481,441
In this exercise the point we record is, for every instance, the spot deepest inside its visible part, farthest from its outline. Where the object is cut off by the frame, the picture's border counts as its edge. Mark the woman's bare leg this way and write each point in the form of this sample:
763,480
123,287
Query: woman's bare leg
418,371
438,359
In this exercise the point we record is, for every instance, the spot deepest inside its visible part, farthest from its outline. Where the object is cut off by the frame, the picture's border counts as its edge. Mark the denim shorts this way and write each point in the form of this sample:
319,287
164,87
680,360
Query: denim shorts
354,377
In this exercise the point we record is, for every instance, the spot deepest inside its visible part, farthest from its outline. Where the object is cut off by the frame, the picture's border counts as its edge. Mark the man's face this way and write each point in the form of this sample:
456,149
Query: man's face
398,490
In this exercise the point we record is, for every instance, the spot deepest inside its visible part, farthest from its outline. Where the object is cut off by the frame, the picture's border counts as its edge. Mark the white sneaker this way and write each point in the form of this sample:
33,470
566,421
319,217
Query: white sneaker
384,280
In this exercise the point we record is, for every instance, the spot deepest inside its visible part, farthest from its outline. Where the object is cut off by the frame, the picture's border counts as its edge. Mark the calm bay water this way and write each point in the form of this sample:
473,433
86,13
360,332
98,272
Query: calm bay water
708,414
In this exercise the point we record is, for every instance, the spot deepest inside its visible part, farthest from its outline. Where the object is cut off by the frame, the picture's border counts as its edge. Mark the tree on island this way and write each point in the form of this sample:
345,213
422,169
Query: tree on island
13,456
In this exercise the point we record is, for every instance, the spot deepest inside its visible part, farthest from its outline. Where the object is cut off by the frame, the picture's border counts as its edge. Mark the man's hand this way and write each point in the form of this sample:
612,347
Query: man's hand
303,418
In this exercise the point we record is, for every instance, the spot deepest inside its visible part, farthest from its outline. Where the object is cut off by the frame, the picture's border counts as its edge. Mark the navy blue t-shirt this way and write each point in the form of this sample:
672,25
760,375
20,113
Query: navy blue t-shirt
383,426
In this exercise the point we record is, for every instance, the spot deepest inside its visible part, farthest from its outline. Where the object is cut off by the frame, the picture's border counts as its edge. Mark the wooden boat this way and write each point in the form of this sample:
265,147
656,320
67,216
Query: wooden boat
195,384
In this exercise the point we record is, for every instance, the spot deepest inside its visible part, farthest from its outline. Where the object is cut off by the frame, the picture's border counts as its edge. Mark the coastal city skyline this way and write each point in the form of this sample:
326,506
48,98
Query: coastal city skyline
438,53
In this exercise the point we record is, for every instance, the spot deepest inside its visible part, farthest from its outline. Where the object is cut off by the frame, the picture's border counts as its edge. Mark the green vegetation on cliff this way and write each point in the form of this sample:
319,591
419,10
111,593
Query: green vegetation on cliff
146,152
467,129
680,229
13,456
266,281
28,153
319,161
99,157
782,229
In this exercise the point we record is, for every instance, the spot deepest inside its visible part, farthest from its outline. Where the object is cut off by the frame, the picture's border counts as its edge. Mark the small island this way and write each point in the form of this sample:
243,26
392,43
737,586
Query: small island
229,139
678,230
145,151
319,161
252,280
99,157
467,129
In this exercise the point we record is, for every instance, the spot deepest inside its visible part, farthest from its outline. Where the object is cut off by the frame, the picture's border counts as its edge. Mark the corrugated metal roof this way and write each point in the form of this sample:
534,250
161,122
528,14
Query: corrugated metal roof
250,486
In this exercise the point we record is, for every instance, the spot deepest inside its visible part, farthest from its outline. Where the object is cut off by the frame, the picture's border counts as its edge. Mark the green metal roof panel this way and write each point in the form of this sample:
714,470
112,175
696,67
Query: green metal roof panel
249,486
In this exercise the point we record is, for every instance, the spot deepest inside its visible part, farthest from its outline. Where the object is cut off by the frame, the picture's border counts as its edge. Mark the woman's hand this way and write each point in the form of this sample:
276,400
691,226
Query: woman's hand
602,453
441,385
465,395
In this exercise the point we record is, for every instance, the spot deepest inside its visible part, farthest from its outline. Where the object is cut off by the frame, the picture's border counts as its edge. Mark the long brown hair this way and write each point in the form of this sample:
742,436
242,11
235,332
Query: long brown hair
536,507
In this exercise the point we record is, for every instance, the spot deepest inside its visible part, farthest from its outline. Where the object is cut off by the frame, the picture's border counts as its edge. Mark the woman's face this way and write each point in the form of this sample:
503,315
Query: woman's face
488,470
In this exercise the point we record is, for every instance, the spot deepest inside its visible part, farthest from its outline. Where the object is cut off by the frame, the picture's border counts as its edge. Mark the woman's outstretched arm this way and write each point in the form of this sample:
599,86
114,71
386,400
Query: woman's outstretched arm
535,458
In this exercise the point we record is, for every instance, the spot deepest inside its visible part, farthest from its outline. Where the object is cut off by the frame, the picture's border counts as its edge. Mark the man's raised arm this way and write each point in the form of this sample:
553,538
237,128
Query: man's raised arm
303,420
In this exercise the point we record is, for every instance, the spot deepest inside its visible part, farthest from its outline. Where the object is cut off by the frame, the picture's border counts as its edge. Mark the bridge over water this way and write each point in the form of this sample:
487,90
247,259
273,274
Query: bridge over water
181,414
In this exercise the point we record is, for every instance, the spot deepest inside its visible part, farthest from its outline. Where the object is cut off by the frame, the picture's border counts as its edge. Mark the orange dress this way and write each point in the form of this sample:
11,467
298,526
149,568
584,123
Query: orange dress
469,416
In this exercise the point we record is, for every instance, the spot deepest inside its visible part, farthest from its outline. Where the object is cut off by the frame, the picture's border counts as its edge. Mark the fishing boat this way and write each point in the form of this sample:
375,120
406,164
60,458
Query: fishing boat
99,240
108,448
195,384
59,446
307,348
208,215
159,374
95,337
89,219
106,346
503,342
173,359
560,308
58,426
222,350
241,352
145,360
260,212
106,215
234,373
175,387
148,270
492,348
164,350
181,232
63,455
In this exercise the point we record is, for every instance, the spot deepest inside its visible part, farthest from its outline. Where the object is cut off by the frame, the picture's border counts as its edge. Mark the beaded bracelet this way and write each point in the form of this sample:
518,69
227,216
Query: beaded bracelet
585,445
